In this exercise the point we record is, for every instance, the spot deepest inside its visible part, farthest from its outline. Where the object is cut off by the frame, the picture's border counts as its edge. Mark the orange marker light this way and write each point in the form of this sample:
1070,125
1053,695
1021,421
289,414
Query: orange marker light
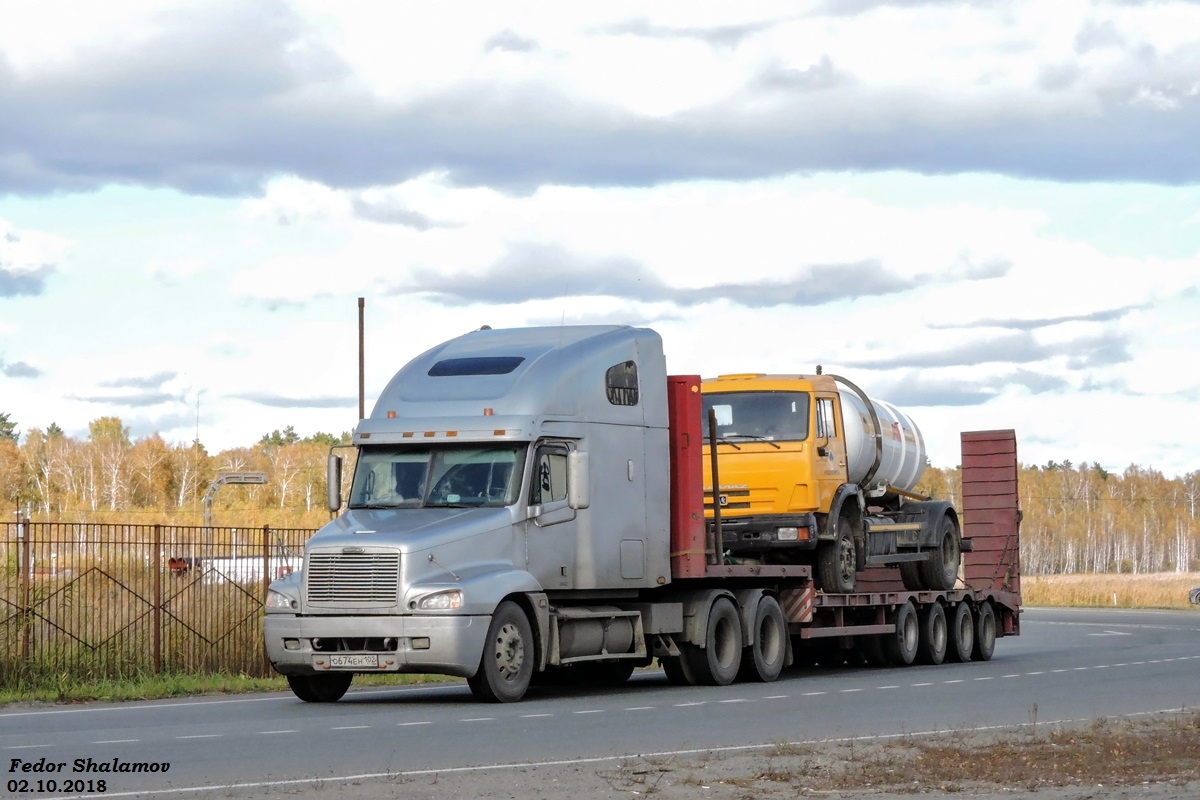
487,412
391,415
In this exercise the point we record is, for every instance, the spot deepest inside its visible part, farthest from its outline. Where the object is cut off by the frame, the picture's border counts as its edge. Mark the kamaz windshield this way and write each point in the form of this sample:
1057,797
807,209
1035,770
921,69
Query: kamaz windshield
394,476
769,416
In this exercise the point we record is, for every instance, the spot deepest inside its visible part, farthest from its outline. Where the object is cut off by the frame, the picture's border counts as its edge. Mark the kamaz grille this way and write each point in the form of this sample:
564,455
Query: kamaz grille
352,579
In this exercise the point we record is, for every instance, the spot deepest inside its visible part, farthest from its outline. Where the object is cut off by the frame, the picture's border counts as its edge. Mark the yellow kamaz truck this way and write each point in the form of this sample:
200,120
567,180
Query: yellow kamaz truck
811,470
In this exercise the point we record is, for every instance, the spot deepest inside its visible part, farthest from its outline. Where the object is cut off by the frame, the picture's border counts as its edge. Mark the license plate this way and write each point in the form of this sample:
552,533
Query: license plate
354,661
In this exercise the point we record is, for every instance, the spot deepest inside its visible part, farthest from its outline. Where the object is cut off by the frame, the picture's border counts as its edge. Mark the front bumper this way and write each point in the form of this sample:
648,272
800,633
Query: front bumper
437,645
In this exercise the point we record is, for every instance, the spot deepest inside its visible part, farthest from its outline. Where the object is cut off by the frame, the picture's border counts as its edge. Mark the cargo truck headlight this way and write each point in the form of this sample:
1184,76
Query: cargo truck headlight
278,601
440,601
787,534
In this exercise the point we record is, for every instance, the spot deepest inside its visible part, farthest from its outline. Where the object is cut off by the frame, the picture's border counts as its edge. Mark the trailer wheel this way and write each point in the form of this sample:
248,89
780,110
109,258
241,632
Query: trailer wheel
985,633
718,662
320,688
940,570
900,646
676,668
960,634
836,561
506,666
763,660
932,649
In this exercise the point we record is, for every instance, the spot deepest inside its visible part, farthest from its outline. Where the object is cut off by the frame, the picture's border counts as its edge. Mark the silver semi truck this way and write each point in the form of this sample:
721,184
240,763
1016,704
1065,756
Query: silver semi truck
527,505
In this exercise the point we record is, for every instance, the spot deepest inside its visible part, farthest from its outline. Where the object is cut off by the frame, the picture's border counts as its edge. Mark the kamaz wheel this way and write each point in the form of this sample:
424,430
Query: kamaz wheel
327,688
506,666
837,561
939,571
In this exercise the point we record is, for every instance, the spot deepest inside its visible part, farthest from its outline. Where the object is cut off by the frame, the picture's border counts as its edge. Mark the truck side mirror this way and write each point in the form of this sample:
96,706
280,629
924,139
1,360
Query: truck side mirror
578,480
333,483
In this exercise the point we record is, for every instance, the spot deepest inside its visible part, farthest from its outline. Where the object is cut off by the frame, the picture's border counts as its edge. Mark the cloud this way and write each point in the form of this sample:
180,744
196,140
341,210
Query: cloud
131,400
14,283
148,382
19,369
1083,352
219,98
1101,315
281,401
392,212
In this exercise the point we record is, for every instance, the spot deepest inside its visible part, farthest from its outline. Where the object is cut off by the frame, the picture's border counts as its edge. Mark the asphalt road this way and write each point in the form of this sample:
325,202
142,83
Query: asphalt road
1067,665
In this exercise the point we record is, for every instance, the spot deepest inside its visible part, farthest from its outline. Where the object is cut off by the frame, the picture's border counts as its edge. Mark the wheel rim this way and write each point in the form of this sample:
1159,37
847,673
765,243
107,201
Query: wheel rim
846,559
510,652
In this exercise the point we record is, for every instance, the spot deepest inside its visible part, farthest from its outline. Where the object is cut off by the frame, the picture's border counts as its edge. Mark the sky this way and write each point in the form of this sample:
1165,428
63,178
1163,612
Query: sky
986,213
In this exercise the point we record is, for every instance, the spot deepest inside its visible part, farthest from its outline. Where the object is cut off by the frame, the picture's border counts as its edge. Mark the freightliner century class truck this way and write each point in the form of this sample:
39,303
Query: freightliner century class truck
528,505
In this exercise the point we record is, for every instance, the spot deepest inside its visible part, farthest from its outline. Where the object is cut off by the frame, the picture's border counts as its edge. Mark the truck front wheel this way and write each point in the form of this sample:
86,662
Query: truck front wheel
327,688
836,561
506,666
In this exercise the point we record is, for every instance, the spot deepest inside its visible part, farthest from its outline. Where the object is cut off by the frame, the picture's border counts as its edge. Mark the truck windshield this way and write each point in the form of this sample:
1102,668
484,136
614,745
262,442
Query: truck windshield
448,475
770,416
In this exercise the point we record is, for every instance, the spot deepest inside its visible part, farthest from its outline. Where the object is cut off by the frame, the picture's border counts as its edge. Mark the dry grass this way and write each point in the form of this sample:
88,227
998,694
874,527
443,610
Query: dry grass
1154,590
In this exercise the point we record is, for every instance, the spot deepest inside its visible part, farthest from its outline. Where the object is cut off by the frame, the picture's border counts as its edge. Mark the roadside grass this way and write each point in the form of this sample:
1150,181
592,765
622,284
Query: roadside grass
52,689
1146,590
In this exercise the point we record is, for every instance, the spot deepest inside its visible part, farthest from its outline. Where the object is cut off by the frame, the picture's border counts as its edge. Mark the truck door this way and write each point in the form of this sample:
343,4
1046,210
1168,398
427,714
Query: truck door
829,449
550,532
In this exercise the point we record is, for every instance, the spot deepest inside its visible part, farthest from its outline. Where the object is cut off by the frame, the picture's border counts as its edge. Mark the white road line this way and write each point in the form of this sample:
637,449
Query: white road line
27,746
201,736
116,741
410,724
535,716
813,694
850,691
268,733
478,719
639,708
590,711
923,684
889,686
686,705
735,700
956,680
350,727
777,697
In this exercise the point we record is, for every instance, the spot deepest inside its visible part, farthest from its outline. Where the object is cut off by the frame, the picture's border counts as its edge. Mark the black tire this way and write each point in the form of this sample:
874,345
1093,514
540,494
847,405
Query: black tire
837,561
718,662
506,666
985,633
932,648
910,575
676,670
327,688
939,571
960,633
763,660
900,646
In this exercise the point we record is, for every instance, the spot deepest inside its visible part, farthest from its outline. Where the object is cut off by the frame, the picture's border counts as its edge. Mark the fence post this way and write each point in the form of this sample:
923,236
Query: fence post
266,581
24,578
158,599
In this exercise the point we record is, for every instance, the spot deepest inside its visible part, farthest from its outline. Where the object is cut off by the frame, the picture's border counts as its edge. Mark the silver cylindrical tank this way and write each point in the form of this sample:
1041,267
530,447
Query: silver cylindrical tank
902,456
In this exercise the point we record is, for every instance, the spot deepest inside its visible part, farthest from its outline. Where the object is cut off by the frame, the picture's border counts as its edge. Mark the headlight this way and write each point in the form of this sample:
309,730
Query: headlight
277,601
787,534
441,601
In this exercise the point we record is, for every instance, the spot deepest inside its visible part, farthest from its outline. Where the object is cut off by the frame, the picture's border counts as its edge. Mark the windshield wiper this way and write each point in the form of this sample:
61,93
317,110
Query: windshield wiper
755,437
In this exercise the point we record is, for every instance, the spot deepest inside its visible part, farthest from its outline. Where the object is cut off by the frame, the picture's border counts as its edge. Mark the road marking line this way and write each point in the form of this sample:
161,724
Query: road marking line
640,708
265,733
201,736
534,716
777,697
922,684
27,746
891,686
988,678
685,705
478,719
1012,675
735,700
590,711
350,727
409,724
1035,673
956,680
849,691
813,694
116,741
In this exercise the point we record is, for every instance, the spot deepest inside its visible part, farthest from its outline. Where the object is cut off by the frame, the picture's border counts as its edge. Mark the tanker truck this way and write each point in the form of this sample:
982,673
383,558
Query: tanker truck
814,471
527,506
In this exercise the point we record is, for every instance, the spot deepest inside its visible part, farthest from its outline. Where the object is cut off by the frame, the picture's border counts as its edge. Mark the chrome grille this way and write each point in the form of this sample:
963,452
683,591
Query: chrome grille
352,579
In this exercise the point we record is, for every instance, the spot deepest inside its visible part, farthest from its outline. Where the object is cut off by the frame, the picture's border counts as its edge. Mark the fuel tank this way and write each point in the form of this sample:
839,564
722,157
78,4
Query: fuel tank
900,451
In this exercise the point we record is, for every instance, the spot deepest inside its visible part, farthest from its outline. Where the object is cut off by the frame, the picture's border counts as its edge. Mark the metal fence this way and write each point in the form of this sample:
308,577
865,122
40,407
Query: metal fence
83,601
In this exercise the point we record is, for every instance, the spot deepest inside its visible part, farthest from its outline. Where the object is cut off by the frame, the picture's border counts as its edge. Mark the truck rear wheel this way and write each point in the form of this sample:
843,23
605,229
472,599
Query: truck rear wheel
985,632
837,561
940,569
932,649
327,688
900,646
718,662
676,669
960,633
506,666
763,660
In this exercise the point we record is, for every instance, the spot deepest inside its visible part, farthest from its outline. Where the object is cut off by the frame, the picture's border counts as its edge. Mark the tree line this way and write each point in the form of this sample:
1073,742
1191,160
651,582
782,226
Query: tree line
1077,519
